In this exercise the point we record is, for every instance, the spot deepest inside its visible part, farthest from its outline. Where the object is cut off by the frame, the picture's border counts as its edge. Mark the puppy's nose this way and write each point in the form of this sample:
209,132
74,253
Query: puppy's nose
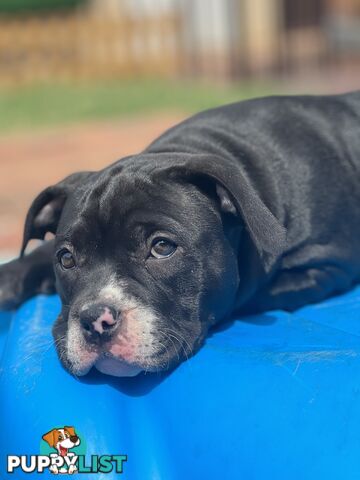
98,321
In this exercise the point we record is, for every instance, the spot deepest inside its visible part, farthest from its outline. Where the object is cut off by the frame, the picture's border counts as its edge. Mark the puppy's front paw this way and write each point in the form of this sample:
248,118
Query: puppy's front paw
72,469
12,282
54,469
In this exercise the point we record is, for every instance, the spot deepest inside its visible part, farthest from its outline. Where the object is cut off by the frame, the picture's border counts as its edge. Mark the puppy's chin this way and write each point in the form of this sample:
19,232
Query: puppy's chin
116,367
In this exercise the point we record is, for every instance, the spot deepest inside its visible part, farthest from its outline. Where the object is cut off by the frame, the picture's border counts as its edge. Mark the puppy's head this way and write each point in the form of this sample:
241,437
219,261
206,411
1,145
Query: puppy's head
62,438
146,258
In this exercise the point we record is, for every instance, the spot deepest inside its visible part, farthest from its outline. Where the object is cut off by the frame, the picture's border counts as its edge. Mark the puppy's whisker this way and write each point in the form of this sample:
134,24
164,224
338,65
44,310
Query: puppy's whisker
182,341
40,351
38,348
166,352
176,350
171,336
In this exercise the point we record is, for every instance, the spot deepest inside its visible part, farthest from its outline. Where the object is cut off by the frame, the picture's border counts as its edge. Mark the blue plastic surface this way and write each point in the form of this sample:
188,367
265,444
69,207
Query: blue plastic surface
271,396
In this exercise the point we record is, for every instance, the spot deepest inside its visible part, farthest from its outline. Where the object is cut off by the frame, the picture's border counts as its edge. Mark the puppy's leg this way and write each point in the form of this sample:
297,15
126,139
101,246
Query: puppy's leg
25,277
294,289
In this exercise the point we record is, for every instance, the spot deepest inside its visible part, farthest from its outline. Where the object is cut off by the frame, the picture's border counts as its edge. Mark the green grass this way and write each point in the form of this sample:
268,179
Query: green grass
38,106
21,6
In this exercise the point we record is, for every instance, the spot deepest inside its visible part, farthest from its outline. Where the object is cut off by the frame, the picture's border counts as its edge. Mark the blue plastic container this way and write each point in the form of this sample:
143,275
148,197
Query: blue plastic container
274,396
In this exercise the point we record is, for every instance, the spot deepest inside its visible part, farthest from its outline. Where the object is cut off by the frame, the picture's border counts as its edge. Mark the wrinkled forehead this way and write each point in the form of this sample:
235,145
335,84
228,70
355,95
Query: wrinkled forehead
128,194
124,201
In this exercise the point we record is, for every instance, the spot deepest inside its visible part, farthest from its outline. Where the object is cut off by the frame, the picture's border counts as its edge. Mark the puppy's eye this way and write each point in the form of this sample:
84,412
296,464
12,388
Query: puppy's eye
66,259
162,248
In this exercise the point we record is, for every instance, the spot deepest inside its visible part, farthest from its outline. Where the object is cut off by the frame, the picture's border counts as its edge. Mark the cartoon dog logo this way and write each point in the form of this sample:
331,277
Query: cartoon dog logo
62,439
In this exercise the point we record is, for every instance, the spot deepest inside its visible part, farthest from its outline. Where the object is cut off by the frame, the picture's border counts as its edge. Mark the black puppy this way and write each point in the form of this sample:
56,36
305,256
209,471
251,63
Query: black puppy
243,208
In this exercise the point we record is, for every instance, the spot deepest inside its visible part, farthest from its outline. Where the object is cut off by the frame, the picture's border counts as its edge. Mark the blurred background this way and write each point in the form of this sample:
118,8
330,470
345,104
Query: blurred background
84,82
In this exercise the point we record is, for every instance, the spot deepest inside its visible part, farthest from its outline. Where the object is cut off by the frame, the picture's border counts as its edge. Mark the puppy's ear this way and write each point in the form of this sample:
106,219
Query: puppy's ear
51,437
45,211
238,196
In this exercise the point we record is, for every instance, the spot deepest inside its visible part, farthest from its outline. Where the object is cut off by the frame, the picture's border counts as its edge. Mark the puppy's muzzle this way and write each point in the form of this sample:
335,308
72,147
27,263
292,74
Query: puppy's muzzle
99,322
